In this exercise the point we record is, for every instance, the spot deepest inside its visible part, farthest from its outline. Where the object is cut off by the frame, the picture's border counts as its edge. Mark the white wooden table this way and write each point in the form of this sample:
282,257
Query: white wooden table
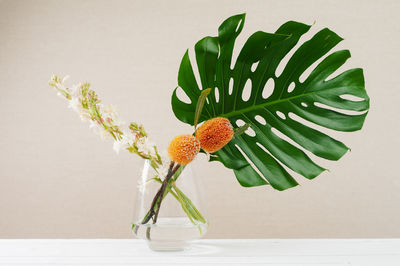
280,252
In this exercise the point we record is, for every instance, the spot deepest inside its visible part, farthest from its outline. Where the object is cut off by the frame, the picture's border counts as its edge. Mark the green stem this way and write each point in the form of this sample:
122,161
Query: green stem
187,205
197,214
183,203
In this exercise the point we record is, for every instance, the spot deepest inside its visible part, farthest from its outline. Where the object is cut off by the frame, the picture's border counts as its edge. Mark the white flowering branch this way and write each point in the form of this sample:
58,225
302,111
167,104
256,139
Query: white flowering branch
105,122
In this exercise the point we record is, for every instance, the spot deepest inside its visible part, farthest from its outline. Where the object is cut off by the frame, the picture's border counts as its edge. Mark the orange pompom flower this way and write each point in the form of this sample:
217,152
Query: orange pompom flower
183,149
214,134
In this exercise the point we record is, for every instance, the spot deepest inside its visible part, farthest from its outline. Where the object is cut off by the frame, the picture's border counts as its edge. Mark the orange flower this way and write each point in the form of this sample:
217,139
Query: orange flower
214,134
183,149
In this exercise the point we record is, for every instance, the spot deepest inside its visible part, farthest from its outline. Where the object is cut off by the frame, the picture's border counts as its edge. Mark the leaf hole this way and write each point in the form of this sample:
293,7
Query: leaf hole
284,137
295,144
290,171
350,97
182,96
254,66
281,115
238,26
230,86
303,77
216,92
304,104
263,148
260,120
240,122
196,71
268,88
337,72
313,125
342,111
250,132
282,65
291,87
246,93
250,162
306,73
278,133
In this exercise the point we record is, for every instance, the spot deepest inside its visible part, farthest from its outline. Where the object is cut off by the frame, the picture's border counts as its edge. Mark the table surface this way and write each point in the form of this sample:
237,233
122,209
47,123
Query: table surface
280,252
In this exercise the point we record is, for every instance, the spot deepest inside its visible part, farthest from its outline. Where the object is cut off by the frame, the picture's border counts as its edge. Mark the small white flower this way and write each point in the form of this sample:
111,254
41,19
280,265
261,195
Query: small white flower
75,104
98,129
93,125
84,116
60,86
162,170
64,79
110,111
146,146
75,90
100,107
126,140
104,134
129,138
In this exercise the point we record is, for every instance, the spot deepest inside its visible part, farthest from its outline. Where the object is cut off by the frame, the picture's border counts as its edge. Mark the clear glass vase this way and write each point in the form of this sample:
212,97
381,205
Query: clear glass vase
181,215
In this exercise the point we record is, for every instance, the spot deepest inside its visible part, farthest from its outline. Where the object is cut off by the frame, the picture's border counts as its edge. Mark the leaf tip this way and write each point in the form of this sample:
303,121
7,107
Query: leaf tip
243,15
207,91
315,22
326,169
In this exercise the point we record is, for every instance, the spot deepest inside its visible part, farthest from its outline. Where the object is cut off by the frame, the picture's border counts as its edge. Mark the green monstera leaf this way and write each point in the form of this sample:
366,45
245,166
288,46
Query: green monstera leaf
277,121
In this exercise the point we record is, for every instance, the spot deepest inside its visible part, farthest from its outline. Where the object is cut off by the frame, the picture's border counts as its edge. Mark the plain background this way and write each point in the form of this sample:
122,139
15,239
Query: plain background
59,180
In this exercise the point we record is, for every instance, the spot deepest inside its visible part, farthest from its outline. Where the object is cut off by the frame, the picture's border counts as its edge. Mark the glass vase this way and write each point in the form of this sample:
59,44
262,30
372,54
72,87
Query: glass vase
180,217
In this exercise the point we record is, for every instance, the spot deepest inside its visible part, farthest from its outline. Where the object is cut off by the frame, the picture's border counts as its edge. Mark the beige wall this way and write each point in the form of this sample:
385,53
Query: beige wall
58,180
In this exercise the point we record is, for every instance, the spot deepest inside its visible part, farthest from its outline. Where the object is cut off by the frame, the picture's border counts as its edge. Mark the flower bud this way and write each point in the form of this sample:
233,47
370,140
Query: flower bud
183,149
214,134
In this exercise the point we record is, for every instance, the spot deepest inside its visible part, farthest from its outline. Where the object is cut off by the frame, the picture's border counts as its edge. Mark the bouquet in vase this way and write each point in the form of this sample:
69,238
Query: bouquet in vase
253,115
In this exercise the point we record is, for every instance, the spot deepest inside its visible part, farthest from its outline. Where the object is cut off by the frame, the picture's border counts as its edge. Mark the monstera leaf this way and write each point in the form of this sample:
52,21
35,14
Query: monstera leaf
278,134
